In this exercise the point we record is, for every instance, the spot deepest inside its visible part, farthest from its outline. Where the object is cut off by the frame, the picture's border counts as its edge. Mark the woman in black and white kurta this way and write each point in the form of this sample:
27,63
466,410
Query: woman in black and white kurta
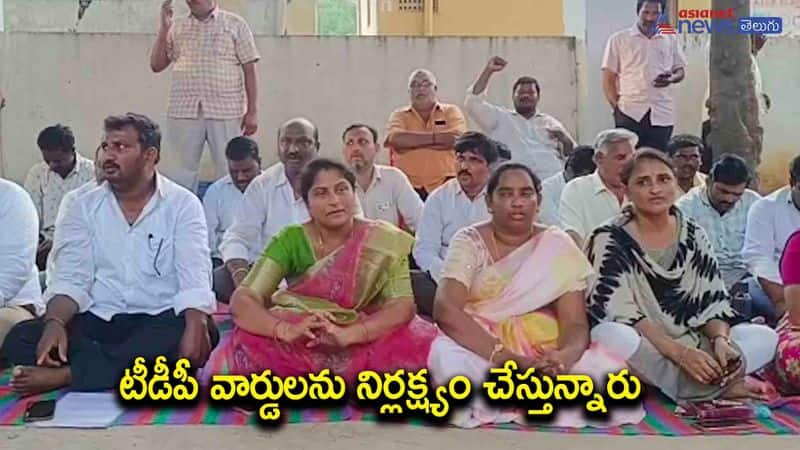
658,299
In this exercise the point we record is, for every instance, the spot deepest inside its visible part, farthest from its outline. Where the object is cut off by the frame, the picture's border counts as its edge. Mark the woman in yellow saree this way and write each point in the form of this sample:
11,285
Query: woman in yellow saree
348,305
514,290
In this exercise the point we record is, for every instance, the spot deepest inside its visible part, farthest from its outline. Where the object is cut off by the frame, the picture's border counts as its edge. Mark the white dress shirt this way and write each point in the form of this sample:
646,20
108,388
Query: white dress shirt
551,199
268,205
109,267
19,279
47,188
390,197
770,222
528,139
447,210
726,232
586,203
220,203
638,60
699,180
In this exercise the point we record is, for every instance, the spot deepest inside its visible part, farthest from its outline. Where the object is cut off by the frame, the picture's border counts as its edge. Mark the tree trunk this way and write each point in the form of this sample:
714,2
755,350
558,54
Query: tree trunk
733,106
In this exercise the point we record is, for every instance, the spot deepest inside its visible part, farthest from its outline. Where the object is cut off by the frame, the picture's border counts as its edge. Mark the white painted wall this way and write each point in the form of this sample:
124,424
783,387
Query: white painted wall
78,79
780,66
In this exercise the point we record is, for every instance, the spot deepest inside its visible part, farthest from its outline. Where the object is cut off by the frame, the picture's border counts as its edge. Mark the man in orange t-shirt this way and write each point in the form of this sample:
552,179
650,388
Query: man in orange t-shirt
421,136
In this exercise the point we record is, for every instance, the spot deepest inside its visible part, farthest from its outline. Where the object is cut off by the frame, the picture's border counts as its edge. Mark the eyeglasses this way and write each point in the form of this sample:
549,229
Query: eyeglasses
423,85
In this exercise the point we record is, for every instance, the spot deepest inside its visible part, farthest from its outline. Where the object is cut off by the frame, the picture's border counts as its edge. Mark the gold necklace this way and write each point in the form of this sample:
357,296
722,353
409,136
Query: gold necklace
321,243
497,249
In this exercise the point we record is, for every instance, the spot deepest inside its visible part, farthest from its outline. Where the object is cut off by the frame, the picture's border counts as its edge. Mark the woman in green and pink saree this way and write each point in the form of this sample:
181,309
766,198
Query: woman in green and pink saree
347,305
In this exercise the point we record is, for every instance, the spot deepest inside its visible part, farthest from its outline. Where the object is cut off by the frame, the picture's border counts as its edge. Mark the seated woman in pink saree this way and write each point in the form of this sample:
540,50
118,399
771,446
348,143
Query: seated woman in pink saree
513,290
348,306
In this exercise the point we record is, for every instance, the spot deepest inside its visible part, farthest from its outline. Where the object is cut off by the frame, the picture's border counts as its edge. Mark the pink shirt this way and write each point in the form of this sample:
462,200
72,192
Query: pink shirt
638,60
790,261
208,59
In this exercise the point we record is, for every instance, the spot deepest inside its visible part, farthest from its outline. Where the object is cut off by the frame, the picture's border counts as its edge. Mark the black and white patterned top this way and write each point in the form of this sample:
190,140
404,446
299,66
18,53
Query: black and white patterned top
630,285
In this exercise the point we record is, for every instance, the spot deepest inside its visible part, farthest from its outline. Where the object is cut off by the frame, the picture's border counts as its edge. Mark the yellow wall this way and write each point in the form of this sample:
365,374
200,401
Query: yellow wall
478,18
399,23
301,17
499,18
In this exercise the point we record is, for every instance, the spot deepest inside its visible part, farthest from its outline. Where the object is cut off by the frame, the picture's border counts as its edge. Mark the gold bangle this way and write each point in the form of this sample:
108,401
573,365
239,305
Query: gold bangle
497,349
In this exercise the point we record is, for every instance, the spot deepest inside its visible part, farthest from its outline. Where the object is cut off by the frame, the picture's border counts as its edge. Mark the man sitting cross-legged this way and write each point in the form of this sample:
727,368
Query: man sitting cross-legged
132,275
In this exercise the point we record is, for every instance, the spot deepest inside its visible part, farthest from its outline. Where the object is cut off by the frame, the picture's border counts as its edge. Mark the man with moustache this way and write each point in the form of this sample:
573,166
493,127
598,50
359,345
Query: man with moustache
535,139
640,66
721,207
214,92
62,170
271,202
686,152
588,201
454,205
421,136
384,192
222,198
131,278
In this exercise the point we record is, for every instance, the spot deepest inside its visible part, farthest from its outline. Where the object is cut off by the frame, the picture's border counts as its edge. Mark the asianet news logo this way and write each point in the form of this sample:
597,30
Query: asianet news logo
723,21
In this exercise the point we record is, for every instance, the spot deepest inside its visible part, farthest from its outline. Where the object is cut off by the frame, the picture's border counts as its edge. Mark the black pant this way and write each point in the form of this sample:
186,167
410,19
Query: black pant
649,134
424,288
100,351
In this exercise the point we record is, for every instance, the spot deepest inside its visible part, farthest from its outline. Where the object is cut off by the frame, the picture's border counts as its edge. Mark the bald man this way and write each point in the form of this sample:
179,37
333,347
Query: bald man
271,202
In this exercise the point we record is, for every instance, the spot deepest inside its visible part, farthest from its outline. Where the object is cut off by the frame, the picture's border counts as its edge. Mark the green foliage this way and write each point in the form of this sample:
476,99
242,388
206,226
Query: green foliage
337,17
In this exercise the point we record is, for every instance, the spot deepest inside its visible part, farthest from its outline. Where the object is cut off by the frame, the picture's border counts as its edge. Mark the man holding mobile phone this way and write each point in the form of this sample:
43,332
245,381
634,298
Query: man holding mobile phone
640,66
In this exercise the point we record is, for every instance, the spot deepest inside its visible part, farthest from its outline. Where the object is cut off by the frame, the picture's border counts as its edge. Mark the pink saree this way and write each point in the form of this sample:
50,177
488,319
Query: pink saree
351,283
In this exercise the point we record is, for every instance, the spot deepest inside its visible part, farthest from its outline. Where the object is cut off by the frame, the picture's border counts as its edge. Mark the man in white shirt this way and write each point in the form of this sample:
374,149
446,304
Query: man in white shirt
20,297
640,66
686,152
385,192
62,170
580,163
535,139
587,202
721,209
770,222
454,205
222,198
132,275
271,202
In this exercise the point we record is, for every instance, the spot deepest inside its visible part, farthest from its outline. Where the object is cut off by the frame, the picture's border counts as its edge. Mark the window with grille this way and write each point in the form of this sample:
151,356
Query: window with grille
411,5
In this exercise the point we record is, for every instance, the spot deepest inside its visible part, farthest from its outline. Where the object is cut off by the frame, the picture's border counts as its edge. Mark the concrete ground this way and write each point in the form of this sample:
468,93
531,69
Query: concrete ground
356,436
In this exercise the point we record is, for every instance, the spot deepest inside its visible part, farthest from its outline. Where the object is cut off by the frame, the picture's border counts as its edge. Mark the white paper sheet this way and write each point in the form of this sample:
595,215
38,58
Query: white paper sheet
83,410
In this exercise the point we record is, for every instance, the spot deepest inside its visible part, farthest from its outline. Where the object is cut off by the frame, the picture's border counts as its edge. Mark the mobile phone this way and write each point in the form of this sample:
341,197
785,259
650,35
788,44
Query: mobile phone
41,410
